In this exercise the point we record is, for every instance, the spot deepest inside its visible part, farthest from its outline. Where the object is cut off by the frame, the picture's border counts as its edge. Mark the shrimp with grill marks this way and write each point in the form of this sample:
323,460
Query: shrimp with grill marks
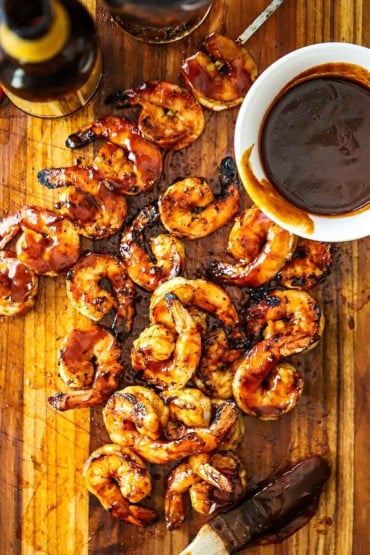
293,320
84,289
310,264
213,481
150,263
220,75
187,406
232,441
47,242
120,479
167,359
194,440
18,285
86,201
89,362
261,247
170,116
200,293
189,208
137,409
284,323
214,374
263,386
141,160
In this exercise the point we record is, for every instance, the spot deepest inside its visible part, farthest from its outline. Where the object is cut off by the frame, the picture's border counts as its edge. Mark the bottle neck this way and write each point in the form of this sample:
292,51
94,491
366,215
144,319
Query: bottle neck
34,36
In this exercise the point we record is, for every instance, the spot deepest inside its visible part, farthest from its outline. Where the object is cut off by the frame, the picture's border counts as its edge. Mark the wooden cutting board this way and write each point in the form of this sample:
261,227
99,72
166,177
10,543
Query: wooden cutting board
45,508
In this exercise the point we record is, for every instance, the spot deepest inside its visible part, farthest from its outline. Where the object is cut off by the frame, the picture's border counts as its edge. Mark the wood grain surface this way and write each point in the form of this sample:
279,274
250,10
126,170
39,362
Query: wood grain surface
45,508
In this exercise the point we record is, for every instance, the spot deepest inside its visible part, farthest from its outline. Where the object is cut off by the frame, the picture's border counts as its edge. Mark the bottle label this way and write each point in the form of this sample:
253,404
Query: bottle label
65,105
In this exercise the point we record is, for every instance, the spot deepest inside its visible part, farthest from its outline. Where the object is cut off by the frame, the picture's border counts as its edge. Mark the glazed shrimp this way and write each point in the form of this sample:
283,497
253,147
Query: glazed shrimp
198,292
153,262
120,479
310,264
261,247
48,243
170,116
214,374
284,323
86,201
166,359
18,285
141,163
136,409
195,440
199,470
90,362
188,406
87,295
291,319
232,441
115,167
189,208
220,76
208,500
264,387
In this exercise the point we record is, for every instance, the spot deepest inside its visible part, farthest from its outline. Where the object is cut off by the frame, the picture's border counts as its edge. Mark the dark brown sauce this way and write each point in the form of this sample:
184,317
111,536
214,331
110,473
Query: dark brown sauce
315,145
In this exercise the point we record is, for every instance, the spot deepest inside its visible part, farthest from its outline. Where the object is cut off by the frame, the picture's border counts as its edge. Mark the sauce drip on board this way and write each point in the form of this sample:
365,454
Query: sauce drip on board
315,145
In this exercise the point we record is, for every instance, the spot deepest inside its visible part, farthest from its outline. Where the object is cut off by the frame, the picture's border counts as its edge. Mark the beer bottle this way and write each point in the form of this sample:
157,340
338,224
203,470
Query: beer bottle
50,61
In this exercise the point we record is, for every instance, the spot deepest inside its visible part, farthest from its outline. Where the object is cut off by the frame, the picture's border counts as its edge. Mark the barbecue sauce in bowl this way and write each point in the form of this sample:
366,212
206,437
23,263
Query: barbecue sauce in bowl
315,145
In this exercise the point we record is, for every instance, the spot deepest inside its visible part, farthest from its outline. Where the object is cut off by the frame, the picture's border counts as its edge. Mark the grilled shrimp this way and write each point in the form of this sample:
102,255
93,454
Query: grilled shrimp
233,439
115,166
189,406
310,264
261,247
85,291
166,359
90,362
48,243
120,479
150,265
206,499
198,292
211,481
214,374
18,285
195,440
284,323
86,201
136,409
291,319
170,116
264,387
189,208
141,159
220,76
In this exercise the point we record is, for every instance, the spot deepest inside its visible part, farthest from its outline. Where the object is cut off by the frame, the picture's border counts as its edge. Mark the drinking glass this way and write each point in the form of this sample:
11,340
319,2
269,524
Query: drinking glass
159,21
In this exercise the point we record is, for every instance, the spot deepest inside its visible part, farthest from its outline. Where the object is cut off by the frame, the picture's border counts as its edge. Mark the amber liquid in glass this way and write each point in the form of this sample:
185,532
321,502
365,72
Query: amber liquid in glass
159,21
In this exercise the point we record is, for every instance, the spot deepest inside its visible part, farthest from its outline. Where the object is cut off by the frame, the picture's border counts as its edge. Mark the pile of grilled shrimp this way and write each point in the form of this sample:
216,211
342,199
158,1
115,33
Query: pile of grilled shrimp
200,365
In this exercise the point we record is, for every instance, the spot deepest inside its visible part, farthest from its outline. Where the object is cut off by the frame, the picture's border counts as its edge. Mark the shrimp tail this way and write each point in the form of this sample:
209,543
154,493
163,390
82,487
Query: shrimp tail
120,99
174,510
139,516
84,398
228,172
224,419
82,138
51,178
214,477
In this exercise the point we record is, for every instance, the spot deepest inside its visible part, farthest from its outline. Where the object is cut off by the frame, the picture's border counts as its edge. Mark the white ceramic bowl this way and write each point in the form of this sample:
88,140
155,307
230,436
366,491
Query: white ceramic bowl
257,102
